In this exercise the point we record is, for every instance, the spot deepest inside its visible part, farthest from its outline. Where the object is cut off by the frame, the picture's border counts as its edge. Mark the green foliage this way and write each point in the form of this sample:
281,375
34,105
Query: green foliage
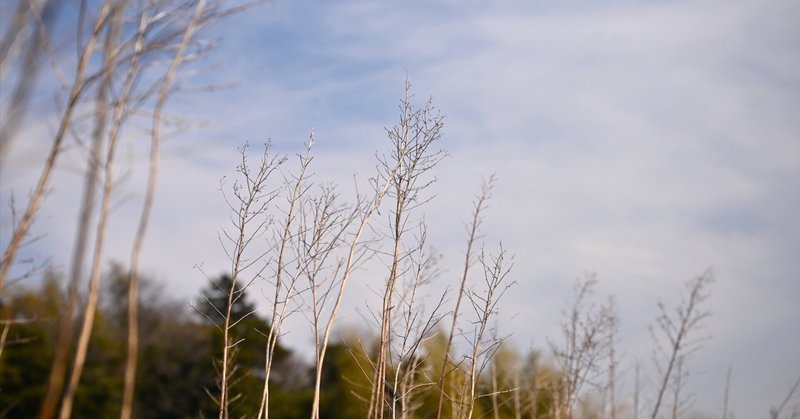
345,381
99,395
250,330
179,348
25,361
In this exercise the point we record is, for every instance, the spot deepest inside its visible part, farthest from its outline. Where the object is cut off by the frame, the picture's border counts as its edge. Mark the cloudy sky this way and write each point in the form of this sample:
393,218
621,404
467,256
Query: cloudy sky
646,141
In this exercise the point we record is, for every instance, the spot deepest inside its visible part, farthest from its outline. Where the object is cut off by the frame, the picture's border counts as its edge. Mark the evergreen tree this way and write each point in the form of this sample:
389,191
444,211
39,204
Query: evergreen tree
249,330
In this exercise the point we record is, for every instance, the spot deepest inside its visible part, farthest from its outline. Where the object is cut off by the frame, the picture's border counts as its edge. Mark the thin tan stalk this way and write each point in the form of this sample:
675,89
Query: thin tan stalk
517,395
380,364
13,33
20,231
414,325
66,329
252,200
4,336
347,270
727,392
392,172
495,408
775,412
677,386
474,226
485,304
412,139
155,141
94,280
14,114
585,330
325,217
279,302
612,364
676,331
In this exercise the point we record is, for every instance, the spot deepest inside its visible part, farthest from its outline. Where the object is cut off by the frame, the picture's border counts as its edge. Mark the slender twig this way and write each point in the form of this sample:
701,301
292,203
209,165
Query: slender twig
155,140
79,85
689,317
479,206
79,360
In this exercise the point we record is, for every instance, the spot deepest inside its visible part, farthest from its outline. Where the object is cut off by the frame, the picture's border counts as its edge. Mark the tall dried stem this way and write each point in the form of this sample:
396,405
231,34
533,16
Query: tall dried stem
26,38
725,398
612,360
412,157
78,88
285,281
676,331
360,215
678,381
66,320
326,222
586,331
412,327
775,412
479,206
155,140
113,32
249,206
484,342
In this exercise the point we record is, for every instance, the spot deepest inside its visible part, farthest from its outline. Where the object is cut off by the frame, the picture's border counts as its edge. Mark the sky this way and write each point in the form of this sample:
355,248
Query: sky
644,141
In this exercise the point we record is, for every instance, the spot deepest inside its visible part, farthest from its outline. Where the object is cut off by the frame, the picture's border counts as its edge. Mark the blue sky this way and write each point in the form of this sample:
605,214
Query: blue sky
642,140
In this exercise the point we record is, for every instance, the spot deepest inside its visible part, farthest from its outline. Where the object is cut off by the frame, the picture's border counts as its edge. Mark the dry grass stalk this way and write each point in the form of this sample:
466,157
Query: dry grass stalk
473,228
405,170
676,341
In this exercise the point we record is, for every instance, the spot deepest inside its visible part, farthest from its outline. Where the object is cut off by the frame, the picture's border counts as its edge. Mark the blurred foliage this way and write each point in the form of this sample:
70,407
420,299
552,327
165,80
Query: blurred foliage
180,351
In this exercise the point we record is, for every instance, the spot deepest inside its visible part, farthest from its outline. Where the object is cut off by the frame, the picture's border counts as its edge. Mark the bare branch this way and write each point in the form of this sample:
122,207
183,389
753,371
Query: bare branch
688,317
405,169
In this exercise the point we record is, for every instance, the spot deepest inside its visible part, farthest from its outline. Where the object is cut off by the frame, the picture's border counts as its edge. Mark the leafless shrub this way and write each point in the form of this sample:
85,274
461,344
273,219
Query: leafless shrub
292,258
327,291
324,228
483,340
675,341
406,170
410,330
473,228
250,202
587,333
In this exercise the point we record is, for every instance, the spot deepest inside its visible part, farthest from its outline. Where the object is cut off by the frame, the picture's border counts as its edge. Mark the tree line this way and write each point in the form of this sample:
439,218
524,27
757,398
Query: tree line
179,374
177,371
